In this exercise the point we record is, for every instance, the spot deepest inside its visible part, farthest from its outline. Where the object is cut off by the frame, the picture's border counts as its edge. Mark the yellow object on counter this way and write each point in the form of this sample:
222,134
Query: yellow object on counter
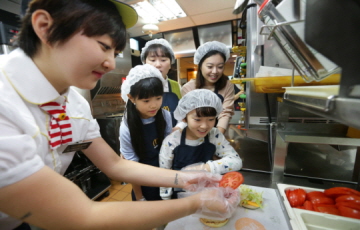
353,133
276,84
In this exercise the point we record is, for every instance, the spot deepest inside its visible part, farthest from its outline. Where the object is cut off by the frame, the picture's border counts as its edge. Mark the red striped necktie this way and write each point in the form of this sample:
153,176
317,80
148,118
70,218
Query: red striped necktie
60,126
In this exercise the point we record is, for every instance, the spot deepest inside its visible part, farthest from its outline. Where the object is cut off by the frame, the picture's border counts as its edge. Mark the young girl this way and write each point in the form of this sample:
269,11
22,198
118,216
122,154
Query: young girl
199,141
145,124
210,58
159,53
62,44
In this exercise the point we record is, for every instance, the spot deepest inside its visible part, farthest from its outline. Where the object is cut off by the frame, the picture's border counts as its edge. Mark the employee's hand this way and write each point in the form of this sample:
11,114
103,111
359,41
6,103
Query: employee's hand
218,203
197,180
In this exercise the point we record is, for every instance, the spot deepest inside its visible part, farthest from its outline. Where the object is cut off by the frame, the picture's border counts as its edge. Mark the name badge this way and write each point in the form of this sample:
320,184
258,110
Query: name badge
77,147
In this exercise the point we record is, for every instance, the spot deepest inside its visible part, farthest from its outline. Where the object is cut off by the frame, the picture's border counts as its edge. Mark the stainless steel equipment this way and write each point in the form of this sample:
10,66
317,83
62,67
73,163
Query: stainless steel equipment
302,139
9,28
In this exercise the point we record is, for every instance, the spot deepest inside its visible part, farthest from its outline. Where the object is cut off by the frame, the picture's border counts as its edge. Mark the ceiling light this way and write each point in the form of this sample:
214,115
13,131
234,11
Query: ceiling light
150,29
154,11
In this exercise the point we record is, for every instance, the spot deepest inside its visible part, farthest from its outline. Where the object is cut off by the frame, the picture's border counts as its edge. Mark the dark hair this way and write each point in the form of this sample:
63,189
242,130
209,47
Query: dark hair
92,17
200,80
145,88
159,51
205,112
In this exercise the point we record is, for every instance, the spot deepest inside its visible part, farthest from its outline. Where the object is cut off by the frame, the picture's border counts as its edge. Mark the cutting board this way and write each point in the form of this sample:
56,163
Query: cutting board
271,217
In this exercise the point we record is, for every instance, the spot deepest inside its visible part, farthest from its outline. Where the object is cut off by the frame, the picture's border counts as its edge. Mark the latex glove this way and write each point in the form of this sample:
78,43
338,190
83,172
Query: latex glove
197,166
197,180
216,203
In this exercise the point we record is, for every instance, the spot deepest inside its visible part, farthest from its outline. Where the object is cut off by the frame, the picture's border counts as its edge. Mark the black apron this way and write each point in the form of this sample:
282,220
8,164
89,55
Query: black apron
170,102
222,101
185,155
151,158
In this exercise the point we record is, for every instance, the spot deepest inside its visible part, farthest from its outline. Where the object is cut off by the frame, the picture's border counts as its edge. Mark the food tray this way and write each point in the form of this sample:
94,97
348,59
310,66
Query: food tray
309,220
323,91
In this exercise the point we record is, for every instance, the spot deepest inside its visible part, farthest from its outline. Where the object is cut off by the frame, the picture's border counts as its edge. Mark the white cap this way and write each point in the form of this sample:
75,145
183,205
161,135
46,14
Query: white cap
136,74
159,41
209,46
195,99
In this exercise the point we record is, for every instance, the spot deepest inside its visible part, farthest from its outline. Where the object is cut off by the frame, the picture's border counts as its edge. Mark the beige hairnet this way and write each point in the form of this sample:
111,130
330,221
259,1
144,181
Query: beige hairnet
195,99
136,74
209,46
159,41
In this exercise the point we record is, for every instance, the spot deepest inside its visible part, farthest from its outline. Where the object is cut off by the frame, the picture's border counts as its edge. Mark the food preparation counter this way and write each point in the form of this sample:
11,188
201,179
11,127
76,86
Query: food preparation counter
276,213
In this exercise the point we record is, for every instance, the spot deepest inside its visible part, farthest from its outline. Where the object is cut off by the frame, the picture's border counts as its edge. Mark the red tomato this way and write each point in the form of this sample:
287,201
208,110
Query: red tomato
231,179
349,212
322,200
296,197
339,191
326,208
313,194
308,205
348,204
352,198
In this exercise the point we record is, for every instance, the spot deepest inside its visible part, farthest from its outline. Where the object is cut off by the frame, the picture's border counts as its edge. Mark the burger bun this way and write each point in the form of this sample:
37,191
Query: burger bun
249,206
214,223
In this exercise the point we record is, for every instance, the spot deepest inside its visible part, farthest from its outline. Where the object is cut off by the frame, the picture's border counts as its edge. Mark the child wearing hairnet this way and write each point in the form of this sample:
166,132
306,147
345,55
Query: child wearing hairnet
211,58
145,123
159,53
200,142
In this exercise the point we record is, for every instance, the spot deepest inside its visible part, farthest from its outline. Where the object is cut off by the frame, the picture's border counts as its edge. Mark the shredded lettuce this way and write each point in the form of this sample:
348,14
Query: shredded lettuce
248,194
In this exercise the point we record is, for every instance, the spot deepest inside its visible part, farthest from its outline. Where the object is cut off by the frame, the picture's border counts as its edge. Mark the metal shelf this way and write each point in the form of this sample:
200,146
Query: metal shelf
343,110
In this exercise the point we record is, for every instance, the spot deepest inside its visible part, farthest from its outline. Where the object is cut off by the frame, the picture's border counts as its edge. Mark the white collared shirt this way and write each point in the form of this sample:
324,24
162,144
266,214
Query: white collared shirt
24,140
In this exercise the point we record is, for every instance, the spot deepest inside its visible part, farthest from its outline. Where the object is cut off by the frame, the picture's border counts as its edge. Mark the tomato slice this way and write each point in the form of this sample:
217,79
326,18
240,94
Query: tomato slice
352,198
308,205
349,212
326,208
231,179
348,204
322,200
339,191
313,194
296,197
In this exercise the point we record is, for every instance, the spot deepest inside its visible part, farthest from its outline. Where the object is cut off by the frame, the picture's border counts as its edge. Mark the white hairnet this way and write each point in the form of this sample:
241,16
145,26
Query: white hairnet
136,74
209,46
159,41
195,99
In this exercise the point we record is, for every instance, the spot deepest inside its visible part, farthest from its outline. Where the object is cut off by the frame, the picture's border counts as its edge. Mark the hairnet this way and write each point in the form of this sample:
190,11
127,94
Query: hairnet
136,74
195,99
159,41
209,46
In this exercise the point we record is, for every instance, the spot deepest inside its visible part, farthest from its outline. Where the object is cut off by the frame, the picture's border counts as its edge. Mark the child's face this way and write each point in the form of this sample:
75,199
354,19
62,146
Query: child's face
161,63
148,107
198,127
212,69
81,61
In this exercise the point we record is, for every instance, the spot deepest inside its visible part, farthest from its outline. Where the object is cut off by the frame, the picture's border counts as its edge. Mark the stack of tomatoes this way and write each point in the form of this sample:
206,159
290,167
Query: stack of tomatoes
337,201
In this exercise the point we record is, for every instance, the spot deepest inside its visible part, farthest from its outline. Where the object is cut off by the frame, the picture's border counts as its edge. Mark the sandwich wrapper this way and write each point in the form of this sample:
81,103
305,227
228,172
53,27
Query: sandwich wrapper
272,216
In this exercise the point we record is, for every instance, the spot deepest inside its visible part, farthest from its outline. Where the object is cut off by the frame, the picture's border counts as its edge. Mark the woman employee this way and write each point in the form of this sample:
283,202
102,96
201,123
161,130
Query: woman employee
62,44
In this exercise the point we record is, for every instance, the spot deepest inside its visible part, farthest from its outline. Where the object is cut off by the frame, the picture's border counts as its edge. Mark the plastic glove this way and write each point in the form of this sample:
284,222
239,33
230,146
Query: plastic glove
197,167
216,203
197,180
